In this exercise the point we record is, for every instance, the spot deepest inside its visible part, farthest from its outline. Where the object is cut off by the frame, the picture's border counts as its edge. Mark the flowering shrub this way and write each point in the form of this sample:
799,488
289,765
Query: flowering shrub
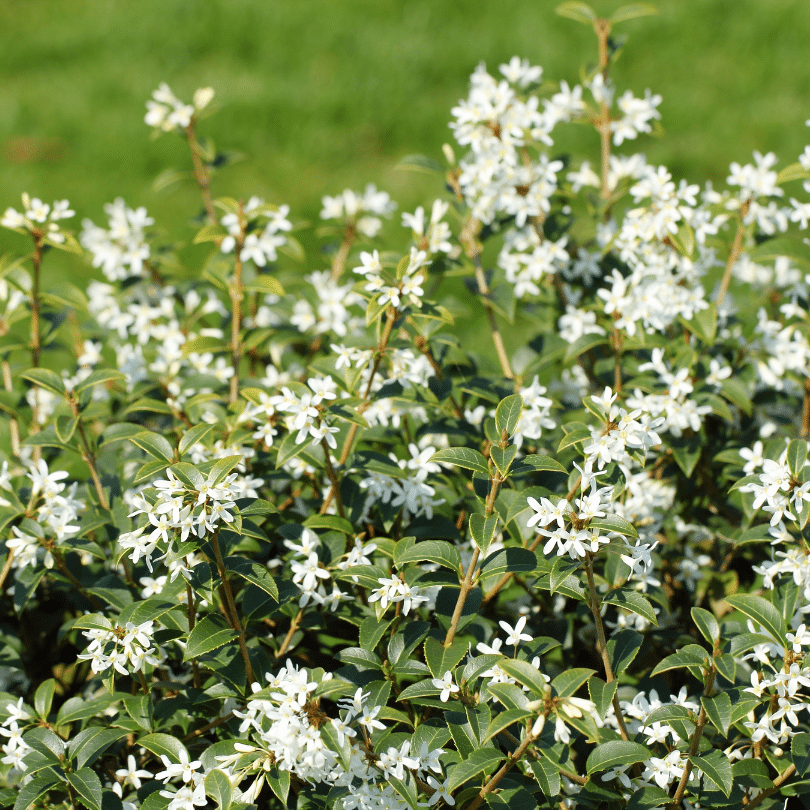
285,540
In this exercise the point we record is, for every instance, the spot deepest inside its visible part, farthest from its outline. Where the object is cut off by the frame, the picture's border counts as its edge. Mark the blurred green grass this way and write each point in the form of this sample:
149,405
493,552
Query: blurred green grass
324,95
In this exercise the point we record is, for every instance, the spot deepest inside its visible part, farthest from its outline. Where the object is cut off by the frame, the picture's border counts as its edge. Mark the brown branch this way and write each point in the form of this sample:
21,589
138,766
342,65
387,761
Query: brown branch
736,250
201,174
694,744
777,783
601,643
223,575
290,633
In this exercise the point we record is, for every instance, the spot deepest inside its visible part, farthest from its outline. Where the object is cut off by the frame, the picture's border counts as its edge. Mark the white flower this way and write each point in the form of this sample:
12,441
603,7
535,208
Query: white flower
446,685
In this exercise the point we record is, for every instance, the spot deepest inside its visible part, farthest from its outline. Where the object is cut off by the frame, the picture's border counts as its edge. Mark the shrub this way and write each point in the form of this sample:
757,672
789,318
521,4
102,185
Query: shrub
283,540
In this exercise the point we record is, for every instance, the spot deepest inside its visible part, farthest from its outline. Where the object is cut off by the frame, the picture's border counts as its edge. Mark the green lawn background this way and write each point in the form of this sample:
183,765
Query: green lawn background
323,95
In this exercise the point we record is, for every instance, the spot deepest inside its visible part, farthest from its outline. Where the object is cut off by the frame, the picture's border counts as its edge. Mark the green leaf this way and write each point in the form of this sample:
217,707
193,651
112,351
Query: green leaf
66,426
360,658
188,474
613,523
503,457
796,456
209,634
795,171
632,11
679,660
683,240
716,767
718,709
372,631
218,787
537,463
707,624
726,667
92,742
507,414
601,694
631,600
574,437
44,698
503,721
615,752
77,708
509,561
279,782
482,530
194,435
265,284
762,612
45,378
154,444
523,672
436,551
422,689
330,523
686,452
547,775
481,761
35,789
561,569
163,745
220,471
253,572
800,751
463,457
583,344
441,659
622,648
87,785
99,377
421,163
569,681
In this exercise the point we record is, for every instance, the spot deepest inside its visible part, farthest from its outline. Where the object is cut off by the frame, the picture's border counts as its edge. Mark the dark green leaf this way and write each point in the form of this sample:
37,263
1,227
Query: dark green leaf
707,624
154,444
762,612
613,523
481,761
45,378
601,694
87,745
218,787
87,785
436,551
796,456
678,660
209,634
569,681
718,709
463,457
440,659
615,752
623,648
716,767
631,600
482,530
253,572
507,414
509,561
44,698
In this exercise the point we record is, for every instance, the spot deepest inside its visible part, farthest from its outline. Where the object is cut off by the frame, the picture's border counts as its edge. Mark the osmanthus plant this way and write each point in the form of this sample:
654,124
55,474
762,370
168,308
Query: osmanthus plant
285,538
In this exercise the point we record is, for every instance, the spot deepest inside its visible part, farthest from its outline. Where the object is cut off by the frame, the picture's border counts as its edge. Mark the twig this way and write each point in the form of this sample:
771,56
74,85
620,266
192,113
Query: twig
736,250
694,745
201,174
593,603
339,262
223,575
290,633
473,250
777,783
510,763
